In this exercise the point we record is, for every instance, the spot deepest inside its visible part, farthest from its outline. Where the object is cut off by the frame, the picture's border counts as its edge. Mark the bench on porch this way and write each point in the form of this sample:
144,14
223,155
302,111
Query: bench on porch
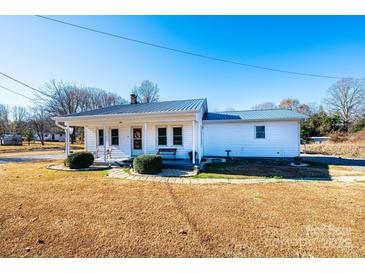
167,151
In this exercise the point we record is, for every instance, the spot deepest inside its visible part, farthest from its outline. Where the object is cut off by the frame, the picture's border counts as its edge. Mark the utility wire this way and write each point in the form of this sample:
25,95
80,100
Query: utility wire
17,93
24,84
188,52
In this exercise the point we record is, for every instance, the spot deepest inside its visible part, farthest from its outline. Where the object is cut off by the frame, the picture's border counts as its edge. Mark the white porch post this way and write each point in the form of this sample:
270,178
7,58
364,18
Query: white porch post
104,143
67,140
193,158
199,147
145,138
85,139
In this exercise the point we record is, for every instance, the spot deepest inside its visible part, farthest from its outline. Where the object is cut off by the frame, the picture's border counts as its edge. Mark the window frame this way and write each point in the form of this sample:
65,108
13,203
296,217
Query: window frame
158,137
101,136
182,136
260,138
111,136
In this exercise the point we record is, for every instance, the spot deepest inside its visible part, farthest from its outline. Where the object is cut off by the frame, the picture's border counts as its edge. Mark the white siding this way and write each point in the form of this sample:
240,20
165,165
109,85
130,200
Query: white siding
125,141
281,139
90,142
182,151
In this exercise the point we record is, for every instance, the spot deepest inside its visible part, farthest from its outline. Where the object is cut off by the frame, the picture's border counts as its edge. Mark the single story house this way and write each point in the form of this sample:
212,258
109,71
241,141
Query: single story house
320,139
185,127
57,137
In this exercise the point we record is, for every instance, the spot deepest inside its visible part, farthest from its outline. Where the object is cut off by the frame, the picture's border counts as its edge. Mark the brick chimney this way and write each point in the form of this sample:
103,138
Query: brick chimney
133,99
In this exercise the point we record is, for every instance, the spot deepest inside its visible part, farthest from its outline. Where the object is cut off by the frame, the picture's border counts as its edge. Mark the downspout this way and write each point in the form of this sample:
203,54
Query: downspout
67,136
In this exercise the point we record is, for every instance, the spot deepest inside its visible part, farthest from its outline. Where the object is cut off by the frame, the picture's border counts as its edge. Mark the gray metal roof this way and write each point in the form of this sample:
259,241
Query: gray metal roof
167,106
254,115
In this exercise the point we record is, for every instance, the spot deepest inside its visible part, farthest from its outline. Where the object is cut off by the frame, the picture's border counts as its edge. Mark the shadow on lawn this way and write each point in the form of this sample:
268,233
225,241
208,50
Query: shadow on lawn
273,168
203,237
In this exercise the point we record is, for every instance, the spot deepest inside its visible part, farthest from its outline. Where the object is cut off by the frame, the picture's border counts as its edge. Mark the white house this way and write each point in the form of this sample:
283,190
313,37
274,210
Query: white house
176,128
57,137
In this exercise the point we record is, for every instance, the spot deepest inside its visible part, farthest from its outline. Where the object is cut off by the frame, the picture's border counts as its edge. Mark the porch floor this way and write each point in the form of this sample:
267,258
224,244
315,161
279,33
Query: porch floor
167,163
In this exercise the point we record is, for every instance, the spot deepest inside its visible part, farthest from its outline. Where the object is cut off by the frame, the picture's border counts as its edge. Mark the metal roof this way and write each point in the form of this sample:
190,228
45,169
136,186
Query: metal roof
254,115
158,107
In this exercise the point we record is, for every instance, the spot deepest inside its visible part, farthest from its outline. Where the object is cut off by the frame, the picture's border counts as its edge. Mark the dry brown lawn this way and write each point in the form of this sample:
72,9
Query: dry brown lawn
86,214
36,145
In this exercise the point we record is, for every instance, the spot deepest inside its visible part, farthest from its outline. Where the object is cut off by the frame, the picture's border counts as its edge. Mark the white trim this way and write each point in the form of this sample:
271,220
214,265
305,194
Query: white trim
250,121
156,134
104,142
255,132
193,152
123,115
111,136
132,139
182,135
144,138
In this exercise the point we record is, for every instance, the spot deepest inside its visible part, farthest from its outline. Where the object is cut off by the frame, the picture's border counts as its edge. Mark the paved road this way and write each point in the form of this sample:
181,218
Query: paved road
333,160
30,158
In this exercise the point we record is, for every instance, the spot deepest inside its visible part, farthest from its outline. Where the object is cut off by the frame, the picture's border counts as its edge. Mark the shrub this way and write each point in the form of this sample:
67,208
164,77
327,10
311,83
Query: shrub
79,160
297,160
148,164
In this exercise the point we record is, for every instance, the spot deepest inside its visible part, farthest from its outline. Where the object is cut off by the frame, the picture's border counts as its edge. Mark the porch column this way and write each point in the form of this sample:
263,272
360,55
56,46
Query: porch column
145,138
104,143
67,139
85,139
193,158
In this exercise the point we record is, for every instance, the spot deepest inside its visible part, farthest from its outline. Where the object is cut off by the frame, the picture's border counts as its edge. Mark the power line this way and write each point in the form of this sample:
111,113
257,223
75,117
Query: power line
189,52
17,93
24,84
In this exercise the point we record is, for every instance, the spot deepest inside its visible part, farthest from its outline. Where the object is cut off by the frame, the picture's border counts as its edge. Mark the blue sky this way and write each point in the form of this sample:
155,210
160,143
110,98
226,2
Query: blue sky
36,50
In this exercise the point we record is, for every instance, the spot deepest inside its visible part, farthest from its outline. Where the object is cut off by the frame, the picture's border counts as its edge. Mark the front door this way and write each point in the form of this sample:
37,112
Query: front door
137,141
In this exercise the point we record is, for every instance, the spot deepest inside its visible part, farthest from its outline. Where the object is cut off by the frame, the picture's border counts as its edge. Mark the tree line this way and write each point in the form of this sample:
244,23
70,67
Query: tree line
61,98
343,110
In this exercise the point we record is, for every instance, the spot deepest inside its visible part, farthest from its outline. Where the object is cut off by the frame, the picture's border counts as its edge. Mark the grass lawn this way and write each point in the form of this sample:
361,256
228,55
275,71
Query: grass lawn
351,150
274,169
86,214
36,145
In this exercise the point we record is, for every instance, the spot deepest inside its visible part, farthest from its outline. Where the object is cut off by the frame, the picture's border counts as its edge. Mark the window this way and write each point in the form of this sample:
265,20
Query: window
115,137
162,136
260,132
137,138
101,137
177,136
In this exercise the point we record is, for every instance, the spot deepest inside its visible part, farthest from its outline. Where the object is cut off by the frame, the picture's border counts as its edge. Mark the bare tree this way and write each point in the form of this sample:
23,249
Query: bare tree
347,98
62,98
40,122
304,109
147,92
19,119
4,118
266,105
289,103
99,98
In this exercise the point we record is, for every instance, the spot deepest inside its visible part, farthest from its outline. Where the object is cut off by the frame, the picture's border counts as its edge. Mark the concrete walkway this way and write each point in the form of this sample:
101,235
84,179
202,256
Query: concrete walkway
120,173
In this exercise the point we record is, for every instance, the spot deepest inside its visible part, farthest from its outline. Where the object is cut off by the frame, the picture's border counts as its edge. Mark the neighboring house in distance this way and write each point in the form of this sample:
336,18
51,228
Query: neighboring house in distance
186,126
11,139
320,139
57,137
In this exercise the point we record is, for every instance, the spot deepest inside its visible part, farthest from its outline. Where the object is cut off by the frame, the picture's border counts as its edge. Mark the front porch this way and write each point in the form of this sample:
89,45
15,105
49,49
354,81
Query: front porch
127,162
